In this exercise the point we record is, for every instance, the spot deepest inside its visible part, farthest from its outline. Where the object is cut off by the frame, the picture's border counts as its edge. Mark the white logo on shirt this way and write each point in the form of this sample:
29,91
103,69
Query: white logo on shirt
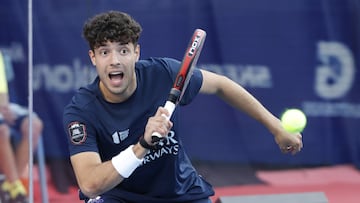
169,146
119,136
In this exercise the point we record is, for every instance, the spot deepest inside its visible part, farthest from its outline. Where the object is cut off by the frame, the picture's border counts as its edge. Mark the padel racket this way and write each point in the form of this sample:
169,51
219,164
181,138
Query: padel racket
183,77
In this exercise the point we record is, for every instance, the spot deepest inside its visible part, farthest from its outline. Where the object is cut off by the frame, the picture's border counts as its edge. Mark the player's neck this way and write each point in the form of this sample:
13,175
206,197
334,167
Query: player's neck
119,96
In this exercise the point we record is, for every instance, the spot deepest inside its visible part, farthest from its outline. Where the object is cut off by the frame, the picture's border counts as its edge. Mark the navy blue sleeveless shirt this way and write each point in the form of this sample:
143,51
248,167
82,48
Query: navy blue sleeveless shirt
93,124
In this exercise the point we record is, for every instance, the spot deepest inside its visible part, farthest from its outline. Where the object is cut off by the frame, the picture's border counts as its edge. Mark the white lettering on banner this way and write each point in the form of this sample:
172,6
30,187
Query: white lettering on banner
328,109
333,80
335,76
15,51
255,76
66,78
62,78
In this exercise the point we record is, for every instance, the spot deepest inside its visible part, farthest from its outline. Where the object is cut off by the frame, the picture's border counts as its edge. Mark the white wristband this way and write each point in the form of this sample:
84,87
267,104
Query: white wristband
126,162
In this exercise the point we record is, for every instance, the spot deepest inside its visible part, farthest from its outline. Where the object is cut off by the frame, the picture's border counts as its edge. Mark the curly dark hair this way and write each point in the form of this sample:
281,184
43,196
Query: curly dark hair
113,26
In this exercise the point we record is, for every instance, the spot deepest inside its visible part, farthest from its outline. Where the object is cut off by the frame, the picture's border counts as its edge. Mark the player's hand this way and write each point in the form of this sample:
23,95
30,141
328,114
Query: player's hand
289,143
158,123
8,115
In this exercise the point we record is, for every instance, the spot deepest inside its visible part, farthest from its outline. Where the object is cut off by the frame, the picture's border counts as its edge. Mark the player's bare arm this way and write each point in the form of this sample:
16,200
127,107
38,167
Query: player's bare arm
241,99
94,177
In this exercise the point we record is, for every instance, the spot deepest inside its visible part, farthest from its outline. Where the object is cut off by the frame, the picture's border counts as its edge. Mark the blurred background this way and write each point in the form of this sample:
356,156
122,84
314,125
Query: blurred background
289,54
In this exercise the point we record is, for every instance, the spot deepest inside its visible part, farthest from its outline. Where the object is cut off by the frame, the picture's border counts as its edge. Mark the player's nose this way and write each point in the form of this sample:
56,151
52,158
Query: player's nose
115,58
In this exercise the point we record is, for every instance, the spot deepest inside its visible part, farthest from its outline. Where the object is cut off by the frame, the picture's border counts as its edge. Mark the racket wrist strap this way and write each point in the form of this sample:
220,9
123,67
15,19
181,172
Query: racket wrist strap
146,145
126,162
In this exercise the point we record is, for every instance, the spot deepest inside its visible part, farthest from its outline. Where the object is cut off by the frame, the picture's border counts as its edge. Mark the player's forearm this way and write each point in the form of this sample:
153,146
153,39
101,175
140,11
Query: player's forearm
97,180
109,174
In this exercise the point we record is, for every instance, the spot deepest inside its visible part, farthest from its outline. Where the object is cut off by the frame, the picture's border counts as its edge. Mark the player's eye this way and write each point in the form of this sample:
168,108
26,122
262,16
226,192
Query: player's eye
103,52
124,51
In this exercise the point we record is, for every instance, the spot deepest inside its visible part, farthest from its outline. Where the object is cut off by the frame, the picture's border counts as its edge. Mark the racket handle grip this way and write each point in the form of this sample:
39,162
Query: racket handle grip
170,106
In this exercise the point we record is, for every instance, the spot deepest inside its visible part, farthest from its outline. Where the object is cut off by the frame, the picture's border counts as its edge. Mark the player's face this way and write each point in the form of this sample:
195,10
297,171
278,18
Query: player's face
115,65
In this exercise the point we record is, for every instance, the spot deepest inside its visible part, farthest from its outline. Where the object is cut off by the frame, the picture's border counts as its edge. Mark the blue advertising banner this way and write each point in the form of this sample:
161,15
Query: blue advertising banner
303,54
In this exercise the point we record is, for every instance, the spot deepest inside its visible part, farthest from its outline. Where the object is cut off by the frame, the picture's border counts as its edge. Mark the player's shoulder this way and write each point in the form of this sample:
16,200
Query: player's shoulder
84,97
157,62
158,66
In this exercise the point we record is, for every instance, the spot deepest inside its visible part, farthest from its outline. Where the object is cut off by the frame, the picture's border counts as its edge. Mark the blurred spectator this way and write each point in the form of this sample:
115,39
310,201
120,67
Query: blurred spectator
14,140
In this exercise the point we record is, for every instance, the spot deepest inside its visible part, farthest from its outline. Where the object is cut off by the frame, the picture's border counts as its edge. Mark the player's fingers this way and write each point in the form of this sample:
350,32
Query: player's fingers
289,149
169,124
163,114
161,131
161,111
161,125
154,124
301,142
298,144
296,148
293,149
285,149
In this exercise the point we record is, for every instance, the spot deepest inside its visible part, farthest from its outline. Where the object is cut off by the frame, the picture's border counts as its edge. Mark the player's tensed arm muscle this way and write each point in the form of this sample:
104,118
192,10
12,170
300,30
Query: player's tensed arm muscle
241,99
96,177
93,176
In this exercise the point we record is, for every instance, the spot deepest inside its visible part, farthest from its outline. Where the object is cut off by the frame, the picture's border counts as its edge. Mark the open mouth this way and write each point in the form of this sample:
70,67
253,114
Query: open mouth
116,75
116,78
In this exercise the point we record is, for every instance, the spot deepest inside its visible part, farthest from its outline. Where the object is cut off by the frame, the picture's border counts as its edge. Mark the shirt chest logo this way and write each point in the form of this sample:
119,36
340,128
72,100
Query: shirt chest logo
120,136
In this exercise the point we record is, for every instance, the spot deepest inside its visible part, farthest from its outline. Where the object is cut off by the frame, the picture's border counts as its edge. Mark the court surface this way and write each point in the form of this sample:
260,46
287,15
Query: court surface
340,184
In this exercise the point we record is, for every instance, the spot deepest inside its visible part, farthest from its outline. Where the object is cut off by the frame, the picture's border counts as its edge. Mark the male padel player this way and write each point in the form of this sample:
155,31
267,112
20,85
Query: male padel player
110,122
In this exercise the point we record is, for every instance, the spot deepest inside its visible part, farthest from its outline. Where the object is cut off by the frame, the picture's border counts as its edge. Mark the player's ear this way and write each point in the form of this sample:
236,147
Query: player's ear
137,52
92,57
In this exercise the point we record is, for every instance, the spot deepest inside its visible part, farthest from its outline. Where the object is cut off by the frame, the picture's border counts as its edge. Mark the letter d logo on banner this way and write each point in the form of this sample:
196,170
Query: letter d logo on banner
335,76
